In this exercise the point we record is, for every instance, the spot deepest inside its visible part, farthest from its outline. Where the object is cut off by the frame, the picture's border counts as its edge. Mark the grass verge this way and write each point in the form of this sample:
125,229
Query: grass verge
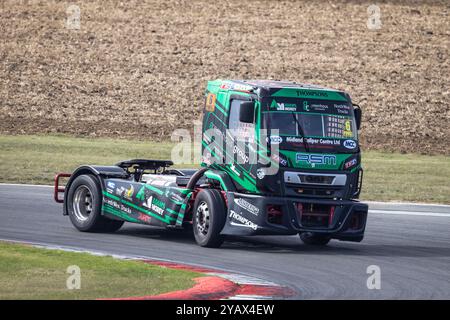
387,176
33,273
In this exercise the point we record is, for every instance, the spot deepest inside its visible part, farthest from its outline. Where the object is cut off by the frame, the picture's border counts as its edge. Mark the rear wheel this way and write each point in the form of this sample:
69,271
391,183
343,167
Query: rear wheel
209,218
311,238
84,201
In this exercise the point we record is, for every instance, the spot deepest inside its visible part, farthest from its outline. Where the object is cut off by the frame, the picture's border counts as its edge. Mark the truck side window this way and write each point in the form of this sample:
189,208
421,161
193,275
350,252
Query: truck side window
239,129
233,123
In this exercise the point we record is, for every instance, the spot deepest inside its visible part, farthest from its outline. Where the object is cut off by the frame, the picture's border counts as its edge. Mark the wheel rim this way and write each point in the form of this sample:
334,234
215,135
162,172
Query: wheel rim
202,218
82,203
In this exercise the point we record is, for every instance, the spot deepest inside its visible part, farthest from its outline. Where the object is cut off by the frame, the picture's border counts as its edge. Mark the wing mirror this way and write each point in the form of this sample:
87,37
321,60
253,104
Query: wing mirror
358,115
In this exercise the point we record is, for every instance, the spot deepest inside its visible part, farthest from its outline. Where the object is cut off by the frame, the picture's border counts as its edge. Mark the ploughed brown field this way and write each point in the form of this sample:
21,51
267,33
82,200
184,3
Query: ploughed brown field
138,68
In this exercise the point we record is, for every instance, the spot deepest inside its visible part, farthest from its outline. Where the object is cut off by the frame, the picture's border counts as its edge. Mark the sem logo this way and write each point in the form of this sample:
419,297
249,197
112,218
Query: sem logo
314,159
350,144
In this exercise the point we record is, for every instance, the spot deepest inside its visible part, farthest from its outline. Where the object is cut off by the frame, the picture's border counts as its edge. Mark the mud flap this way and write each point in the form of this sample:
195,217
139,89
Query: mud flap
243,215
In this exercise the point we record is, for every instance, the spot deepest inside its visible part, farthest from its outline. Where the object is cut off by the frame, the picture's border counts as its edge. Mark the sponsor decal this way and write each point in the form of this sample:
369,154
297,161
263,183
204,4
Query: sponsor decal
145,218
274,139
128,193
111,185
314,159
109,190
260,173
155,205
117,205
175,197
319,107
342,108
241,87
283,106
294,140
120,191
327,142
243,222
350,163
308,93
279,160
113,203
247,206
315,141
350,144
305,106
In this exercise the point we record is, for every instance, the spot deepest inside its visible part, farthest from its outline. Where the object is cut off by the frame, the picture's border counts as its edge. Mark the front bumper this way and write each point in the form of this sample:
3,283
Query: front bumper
267,215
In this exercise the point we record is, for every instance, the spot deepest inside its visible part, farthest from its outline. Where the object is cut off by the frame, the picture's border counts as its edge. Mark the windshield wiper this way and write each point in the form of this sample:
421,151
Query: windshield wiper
302,133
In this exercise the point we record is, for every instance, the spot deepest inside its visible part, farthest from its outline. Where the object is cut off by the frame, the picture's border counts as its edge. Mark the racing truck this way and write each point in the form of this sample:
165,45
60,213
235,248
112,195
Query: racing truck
278,158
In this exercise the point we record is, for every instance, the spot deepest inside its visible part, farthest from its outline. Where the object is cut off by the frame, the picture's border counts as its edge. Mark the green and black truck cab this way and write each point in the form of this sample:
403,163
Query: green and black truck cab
278,158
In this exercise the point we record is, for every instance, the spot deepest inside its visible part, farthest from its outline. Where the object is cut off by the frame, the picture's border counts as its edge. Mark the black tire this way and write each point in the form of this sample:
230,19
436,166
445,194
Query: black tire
84,202
314,239
208,218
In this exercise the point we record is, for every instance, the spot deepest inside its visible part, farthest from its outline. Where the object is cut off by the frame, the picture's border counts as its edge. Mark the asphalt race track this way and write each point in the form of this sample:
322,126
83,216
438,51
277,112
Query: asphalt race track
410,244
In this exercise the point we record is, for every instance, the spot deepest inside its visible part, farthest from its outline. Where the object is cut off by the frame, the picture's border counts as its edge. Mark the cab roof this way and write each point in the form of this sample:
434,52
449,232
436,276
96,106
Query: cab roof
267,88
279,84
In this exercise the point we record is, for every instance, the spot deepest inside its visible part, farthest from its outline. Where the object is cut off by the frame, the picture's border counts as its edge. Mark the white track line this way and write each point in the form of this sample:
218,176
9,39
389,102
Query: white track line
411,213
26,185
415,204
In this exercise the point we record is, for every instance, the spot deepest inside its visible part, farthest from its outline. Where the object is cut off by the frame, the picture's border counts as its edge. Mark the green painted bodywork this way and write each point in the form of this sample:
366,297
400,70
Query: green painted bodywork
244,175
145,203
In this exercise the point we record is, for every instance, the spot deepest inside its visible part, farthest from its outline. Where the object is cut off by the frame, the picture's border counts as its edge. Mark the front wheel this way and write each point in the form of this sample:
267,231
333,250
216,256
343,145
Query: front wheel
209,218
314,239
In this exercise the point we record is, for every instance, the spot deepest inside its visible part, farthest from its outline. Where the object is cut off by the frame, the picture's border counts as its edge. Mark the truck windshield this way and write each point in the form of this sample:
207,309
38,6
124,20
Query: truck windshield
312,124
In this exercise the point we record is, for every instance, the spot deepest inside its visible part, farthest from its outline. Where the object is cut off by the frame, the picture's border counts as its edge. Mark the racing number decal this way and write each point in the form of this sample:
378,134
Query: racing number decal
210,102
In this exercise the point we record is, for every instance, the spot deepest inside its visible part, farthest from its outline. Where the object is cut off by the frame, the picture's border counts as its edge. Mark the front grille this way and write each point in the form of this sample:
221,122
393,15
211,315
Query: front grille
315,192
316,179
